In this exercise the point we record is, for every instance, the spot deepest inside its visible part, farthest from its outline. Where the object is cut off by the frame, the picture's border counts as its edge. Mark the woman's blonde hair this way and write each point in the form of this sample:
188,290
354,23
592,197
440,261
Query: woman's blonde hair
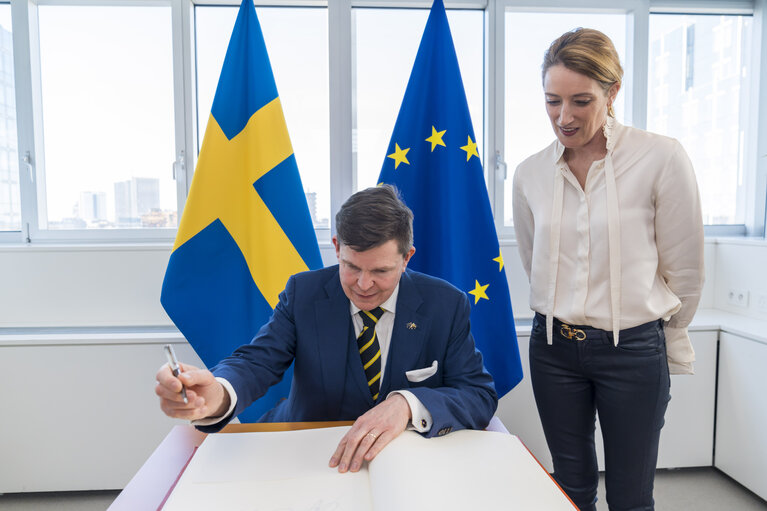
588,52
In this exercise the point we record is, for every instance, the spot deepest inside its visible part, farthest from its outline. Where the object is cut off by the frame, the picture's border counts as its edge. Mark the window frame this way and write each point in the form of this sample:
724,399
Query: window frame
636,65
29,118
755,167
26,50
636,86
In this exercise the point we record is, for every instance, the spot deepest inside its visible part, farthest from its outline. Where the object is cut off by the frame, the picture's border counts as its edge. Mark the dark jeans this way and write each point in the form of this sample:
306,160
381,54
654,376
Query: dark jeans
627,385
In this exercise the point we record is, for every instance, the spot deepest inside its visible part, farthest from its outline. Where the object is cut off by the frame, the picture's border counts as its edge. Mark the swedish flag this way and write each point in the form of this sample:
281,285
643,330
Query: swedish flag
246,226
434,162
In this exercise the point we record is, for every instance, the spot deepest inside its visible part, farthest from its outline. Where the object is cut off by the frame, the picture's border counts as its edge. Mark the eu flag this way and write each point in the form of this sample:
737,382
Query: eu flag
246,226
433,161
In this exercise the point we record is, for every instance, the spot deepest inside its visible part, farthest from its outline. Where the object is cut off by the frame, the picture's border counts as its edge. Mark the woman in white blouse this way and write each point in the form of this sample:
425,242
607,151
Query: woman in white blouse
609,228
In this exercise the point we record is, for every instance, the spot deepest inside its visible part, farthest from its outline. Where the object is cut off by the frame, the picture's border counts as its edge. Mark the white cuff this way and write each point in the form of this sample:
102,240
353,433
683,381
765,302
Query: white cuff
421,420
679,350
210,421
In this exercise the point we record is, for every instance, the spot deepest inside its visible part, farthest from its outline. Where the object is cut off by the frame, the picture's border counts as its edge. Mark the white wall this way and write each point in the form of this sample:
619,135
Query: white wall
709,255
71,288
82,286
85,286
79,411
741,266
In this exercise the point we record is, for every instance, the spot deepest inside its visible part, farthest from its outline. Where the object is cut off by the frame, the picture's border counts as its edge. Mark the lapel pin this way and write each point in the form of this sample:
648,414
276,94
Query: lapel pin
411,326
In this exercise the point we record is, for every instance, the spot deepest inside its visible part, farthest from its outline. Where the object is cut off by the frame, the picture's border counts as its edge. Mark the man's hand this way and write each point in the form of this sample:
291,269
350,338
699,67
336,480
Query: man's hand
370,433
206,396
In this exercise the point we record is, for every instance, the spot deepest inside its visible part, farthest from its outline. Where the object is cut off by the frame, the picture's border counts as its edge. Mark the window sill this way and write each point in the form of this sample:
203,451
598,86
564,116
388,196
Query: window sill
111,246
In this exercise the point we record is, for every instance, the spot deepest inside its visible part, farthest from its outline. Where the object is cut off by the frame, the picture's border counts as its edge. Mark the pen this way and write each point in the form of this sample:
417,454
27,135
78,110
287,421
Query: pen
174,367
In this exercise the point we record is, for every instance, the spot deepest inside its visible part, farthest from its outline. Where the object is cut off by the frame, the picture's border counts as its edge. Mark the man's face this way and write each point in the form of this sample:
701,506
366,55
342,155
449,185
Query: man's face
368,278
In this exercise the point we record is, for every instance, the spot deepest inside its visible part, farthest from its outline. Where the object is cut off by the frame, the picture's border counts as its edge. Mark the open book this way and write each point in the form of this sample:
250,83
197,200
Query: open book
288,471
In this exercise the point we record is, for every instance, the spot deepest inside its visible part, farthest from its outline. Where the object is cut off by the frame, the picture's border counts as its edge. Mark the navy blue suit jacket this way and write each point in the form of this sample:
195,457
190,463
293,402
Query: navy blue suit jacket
312,326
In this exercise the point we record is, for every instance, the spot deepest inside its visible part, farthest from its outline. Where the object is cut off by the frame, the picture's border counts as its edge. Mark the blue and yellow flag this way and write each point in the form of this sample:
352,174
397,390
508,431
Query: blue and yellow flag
246,227
434,162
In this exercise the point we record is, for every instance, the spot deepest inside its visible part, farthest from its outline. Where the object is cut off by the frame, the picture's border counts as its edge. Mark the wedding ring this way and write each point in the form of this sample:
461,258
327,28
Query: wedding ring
371,434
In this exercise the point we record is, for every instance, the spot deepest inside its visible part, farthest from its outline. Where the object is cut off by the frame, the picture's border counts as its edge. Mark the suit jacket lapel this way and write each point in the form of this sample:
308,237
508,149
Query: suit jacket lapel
407,338
333,327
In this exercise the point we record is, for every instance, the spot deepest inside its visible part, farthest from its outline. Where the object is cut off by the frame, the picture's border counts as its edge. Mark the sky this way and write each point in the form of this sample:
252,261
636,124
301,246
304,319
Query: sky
107,105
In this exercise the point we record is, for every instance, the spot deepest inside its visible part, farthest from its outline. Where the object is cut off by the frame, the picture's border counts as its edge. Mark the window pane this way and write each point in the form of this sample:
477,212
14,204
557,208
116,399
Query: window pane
386,45
10,207
697,93
297,42
528,36
107,87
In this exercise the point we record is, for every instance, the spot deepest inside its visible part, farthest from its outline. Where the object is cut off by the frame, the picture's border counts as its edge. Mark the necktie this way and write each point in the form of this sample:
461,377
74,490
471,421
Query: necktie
370,350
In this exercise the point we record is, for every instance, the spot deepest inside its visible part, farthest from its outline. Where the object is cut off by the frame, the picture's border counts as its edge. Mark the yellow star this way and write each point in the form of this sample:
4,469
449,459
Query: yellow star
436,138
399,155
479,292
499,260
471,149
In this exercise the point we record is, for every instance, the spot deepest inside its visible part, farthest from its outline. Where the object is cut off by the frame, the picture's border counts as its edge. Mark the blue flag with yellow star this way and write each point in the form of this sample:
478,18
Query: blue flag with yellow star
246,227
433,161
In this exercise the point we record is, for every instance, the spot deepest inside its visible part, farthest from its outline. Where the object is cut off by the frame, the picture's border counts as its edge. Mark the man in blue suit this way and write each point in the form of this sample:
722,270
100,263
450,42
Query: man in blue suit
371,341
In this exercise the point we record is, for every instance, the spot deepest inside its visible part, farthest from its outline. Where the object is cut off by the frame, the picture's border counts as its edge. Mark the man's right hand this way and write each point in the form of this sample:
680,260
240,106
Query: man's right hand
206,396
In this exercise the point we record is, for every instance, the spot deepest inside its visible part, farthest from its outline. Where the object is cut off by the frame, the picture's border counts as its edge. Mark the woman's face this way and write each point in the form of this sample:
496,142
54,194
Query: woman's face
576,105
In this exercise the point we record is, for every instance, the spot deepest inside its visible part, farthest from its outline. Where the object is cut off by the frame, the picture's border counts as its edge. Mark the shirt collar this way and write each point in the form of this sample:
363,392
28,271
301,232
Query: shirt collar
390,305
559,153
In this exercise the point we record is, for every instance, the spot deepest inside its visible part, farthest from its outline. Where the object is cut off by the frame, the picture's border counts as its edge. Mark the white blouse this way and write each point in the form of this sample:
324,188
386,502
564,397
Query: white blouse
624,250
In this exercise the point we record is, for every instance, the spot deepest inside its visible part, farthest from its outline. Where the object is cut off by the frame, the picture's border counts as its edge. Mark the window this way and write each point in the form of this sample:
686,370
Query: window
106,97
297,42
10,204
528,36
699,75
386,43
107,116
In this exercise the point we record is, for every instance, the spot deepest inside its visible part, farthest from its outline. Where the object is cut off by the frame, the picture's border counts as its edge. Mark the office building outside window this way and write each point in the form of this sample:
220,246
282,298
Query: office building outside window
108,122
697,93
10,204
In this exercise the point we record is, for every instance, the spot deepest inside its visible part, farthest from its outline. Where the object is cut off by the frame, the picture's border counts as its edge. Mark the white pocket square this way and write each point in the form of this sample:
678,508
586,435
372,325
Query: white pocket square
417,375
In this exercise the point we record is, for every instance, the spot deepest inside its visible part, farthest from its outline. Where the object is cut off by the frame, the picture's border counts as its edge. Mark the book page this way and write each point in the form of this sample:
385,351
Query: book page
288,471
275,471
464,470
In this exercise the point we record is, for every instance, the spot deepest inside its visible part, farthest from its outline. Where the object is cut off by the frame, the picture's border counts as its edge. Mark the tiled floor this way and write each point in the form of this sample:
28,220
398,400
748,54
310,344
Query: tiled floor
58,501
699,489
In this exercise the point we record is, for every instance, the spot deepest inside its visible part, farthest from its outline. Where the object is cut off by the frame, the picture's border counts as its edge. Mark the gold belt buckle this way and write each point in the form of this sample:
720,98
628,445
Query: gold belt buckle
570,333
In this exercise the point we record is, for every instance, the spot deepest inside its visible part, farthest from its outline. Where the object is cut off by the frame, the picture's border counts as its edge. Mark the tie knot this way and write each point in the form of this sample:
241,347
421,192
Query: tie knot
370,318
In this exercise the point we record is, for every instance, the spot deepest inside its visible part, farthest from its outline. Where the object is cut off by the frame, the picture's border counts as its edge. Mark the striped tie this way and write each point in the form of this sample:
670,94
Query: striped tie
370,350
